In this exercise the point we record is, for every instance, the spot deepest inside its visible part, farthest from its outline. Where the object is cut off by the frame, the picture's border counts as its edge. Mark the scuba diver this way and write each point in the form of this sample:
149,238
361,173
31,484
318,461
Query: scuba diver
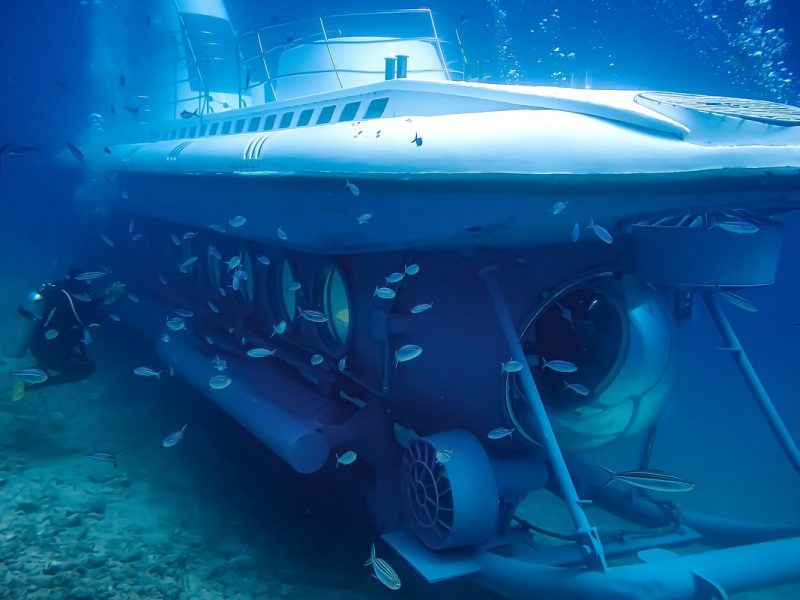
58,319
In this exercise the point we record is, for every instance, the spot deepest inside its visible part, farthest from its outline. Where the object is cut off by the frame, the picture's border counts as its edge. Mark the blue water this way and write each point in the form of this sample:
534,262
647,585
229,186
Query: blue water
219,516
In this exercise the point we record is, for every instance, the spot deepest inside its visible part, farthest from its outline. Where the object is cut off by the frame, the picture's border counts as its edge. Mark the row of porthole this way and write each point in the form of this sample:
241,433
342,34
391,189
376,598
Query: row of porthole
349,111
329,292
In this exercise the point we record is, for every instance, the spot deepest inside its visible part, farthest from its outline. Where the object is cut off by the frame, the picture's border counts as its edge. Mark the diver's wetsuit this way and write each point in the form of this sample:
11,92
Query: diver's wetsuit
70,317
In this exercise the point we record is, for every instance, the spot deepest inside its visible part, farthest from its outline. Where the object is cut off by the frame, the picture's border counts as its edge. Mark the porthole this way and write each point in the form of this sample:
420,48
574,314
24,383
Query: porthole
286,294
336,306
214,266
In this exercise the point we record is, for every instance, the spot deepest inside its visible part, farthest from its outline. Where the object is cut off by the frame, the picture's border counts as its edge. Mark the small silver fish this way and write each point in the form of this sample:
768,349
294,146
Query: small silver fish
212,251
316,359
161,279
282,234
260,352
222,292
115,317
30,375
217,228
444,455
136,237
406,353
209,340
212,306
578,388
237,221
511,366
220,364
176,323
165,338
600,231
560,366
107,241
147,372
90,275
184,312
342,365
264,260
132,297
189,235
499,433
650,480
174,437
352,187
130,226
737,226
293,287
576,232
51,334
364,219
175,239
184,266
104,456
314,316
234,262
384,292
559,207
380,568
394,278
738,301
219,382
347,458
411,269
421,308
278,329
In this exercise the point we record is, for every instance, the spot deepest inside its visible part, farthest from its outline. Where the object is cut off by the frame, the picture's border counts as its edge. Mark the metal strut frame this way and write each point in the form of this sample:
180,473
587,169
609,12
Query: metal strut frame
753,382
586,535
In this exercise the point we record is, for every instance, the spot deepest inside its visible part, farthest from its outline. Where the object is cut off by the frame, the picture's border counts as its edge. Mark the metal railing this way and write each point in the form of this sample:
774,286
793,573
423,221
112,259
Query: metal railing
261,48
258,51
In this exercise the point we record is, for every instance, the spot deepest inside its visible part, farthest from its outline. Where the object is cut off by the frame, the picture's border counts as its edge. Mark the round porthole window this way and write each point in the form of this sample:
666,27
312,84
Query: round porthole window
287,291
215,267
336,306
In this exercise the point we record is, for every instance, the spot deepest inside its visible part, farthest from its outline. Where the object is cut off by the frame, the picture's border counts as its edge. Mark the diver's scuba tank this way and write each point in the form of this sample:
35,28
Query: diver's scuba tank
30,312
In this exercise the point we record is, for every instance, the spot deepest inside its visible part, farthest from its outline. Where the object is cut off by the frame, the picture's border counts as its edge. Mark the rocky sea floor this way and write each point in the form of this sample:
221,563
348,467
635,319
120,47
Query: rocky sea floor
216,516
213,517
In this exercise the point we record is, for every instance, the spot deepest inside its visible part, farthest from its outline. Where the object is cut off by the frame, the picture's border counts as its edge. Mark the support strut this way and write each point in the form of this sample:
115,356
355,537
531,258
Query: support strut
586,535
753,382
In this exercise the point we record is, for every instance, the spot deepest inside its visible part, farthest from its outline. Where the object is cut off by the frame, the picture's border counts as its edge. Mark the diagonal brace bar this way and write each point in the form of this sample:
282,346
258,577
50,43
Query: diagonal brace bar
587,537
753,382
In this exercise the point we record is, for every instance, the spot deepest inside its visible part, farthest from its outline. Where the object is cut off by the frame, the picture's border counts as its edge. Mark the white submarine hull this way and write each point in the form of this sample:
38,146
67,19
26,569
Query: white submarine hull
485,174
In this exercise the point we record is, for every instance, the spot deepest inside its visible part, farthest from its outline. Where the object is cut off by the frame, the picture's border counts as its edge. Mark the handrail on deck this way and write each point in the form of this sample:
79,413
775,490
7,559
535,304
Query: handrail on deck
265,45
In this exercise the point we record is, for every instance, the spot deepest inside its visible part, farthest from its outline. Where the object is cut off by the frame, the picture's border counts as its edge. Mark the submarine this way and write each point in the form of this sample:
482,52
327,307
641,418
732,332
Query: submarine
468,286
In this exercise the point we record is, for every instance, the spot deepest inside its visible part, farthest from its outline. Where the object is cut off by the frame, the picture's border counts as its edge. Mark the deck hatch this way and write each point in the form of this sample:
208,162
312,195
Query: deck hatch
771,113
